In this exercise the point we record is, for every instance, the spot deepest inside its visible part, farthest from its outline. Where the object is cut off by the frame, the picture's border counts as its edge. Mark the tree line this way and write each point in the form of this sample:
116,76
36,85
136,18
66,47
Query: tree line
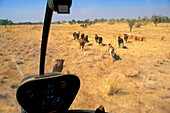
6,22
155,19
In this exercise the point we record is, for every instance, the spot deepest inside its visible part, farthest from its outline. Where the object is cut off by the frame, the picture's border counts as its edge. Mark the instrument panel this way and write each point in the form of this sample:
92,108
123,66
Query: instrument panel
48,94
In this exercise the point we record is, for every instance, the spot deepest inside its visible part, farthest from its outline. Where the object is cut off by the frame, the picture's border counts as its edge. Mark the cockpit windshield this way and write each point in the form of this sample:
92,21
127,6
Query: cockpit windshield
119,49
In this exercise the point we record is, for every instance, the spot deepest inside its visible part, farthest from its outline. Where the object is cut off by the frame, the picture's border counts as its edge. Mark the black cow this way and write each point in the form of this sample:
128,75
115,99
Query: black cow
100,40
82,36
86,39
76,35
120,41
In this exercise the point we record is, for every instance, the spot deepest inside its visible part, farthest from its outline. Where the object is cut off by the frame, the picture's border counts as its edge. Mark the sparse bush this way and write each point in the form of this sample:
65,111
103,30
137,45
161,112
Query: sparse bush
102,20
131,23
156,19
111,21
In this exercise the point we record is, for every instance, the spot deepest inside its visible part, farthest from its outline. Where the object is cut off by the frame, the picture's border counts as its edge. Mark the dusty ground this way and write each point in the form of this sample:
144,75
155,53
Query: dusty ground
137,82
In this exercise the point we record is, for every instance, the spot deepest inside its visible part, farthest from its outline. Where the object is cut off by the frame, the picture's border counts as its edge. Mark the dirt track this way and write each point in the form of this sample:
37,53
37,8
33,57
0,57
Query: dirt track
138,81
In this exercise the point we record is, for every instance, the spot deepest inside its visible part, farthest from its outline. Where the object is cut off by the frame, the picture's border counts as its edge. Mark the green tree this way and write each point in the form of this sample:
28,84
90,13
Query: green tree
139,19
122,19
63,22
70,22
4,22
79,21
73,21
145,18
155,19
127,20
86,21
131,23
117,20
102,20
96,20
111,21
10,22
165,19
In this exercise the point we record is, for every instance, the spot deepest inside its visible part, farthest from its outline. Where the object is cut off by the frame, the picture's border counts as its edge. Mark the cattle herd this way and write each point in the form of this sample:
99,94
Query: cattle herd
86,24
83,39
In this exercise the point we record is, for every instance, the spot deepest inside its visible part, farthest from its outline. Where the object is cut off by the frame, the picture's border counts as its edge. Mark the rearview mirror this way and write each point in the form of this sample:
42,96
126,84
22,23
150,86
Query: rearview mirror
60,6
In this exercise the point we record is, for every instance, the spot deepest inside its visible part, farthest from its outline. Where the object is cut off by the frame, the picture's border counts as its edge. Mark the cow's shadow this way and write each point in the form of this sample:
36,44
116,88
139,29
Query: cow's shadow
129,42
116,57
86,49
124,47
90,44
104,44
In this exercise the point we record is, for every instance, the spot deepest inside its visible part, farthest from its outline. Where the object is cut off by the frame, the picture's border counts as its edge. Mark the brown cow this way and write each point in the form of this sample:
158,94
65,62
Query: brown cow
111,50
140,38
100,109
126,37
143,38
130,36
58,67
96,38
136,38
82,43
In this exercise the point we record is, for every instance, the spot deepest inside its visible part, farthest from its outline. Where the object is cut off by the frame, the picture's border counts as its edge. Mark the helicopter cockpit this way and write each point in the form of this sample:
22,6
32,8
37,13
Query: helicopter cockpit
51,92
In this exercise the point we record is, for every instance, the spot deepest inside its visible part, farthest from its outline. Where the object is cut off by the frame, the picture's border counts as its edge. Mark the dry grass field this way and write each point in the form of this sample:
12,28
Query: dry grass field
137,81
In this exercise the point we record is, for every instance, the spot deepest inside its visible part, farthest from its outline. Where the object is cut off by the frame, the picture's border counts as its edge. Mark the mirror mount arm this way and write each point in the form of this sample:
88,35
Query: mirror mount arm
46,28
60,6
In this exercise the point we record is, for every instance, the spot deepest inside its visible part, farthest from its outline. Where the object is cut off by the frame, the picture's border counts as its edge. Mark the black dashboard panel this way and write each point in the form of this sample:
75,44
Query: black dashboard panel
48,93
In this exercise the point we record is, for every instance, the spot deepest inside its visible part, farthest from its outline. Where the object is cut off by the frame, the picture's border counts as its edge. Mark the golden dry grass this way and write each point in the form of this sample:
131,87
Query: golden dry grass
137,81
137,25
4,108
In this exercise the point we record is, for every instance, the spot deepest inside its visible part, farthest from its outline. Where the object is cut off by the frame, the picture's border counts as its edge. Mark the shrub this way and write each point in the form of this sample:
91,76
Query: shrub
111,21
156,19
131,23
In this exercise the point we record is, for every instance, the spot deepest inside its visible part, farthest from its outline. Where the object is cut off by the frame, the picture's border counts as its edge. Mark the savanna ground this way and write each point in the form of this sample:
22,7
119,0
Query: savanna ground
136,82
